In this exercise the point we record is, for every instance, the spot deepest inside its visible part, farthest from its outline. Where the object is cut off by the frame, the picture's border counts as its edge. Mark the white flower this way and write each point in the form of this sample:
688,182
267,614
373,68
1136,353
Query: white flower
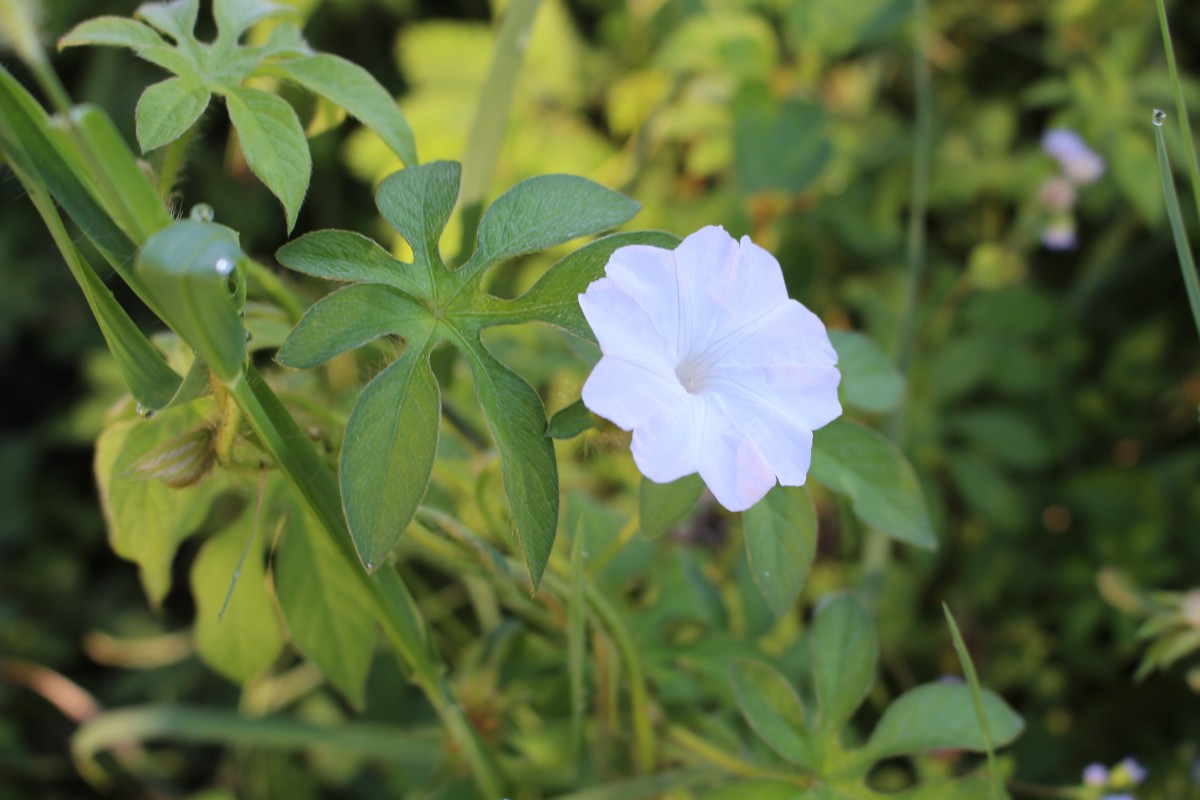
1079,163
710,365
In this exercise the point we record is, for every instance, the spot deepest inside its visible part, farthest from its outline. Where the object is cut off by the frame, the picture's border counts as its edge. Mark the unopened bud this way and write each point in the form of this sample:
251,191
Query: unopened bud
19,29
181,462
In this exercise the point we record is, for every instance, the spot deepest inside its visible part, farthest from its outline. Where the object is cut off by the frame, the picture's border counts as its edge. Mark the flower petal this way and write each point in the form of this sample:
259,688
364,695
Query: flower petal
647,274
730,463
705,263
622,326
785,443
788,334
628,394
804,394
666,447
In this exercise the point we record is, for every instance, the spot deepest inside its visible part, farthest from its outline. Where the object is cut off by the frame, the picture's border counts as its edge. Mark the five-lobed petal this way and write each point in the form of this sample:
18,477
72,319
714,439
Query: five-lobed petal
710,364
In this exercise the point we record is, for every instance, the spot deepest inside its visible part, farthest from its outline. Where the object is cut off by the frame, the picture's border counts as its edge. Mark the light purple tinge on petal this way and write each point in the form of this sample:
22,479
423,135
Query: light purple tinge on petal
785,443
731,464
629,394
804,394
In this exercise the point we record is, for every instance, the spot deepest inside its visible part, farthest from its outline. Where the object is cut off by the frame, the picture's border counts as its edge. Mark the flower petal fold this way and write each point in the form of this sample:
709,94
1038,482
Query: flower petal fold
628,393
731,464
666,447
622,326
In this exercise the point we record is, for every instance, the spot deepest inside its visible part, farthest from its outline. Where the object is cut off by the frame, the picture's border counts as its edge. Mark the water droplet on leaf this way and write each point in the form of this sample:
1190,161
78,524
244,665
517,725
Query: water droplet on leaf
142,411
223,266
202,212
1159,117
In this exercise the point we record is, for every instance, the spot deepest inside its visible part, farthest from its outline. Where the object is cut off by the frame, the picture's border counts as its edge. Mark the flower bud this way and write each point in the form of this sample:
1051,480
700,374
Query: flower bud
181,462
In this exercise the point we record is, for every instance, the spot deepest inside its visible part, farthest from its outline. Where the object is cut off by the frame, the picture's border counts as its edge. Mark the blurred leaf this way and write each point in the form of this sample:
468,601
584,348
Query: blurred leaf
235,17
176,18
940,716
387,457
779,146
988,491
844,654
757,790
146,519
835,28
328,614
1005,435
781,542
247,638
661,506
772,707
858,462
517,420
167,109
354,89
870,380
274,144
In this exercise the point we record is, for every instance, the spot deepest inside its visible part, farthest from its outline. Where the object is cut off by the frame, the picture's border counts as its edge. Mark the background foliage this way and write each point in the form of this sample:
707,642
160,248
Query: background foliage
1050,407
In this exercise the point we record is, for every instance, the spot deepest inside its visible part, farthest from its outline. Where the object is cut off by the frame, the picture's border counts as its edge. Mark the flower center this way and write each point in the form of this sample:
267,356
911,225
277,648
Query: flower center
693,375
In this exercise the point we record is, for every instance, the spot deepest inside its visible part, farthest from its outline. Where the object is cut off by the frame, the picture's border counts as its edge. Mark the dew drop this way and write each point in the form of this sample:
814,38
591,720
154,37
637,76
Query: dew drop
766,573
142,411
1160,116
223,266
249,336
370,566
202,212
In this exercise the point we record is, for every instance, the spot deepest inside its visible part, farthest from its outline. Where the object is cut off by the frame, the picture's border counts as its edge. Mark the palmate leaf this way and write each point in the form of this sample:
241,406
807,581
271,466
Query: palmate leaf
387,456
269,132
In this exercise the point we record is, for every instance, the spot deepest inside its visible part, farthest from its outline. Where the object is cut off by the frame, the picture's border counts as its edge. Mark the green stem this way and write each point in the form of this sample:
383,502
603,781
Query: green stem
274,288
1180,106
1178,230
172,163
487,129
715,756
877,547
397,612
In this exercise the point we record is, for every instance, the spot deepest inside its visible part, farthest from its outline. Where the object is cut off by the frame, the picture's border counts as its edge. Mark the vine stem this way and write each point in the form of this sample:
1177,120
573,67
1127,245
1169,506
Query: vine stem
1180,106
877,548
486,135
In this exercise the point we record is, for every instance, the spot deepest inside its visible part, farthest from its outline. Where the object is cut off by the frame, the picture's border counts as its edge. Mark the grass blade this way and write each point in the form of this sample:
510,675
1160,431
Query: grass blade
1175,215
968,666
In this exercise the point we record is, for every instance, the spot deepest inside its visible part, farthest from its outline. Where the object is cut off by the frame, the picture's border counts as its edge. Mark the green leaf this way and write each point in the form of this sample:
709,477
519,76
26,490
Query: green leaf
781,542
555,297
185,268
387,456
417,203
235,17
167,109
662,505
517,420
757,790
777,145
346,256
176,18
940,716
541,212
111,32
844,653
571,421
773,709
274,144
247,638
327,611
146,519
353,88
858,462
870,380
348,318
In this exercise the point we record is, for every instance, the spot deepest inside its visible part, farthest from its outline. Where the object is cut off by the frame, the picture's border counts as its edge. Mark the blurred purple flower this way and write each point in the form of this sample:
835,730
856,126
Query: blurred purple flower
1080,163
1095,775
1133,770
1059,235
1057,194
